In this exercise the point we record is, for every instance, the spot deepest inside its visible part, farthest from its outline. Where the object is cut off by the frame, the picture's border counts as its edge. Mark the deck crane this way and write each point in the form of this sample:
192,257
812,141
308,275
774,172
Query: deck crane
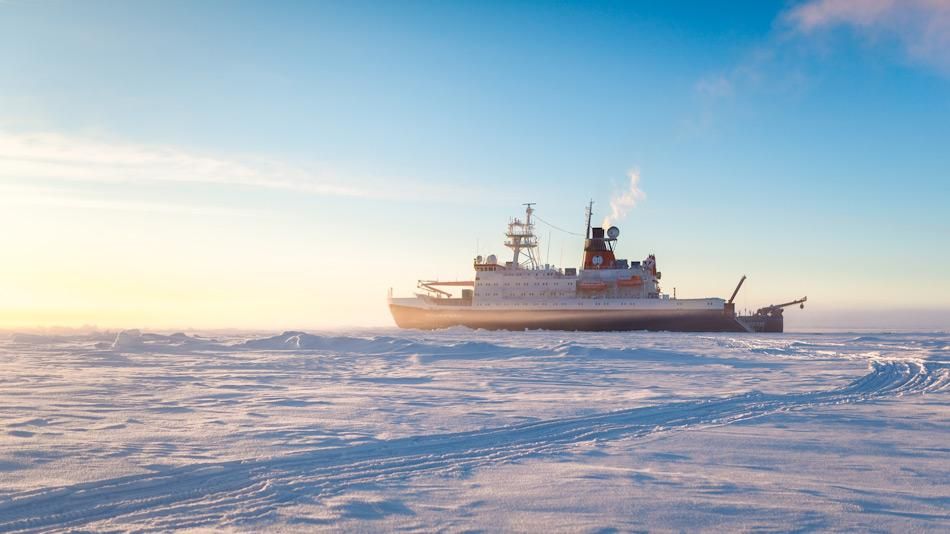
776,309
736,292
430,286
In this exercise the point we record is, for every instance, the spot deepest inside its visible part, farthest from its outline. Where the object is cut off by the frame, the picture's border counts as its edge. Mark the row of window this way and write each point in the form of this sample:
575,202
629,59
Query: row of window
522,274
546,304
563,284
594,302
528,294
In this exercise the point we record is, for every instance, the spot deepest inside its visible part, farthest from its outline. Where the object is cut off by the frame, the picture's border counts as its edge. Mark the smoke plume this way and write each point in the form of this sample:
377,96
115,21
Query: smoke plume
621,203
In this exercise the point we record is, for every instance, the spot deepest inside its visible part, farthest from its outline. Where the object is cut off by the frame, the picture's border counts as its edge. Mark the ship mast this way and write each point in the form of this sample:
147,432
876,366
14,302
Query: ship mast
522,241
590,213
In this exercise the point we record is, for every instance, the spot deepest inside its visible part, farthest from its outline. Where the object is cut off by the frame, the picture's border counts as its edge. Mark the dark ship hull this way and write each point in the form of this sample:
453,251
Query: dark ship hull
588,321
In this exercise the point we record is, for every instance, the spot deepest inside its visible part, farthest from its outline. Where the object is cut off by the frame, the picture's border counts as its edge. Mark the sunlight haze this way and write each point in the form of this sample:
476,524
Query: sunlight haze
202,165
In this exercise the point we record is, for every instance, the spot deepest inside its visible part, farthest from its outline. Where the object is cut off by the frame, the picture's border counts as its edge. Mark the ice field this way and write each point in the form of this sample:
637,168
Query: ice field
470,430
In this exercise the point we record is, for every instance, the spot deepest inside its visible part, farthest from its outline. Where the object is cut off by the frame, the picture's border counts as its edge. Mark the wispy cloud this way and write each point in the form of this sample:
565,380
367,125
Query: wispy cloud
61,197
753,72
779,64
764,66
922,27
716,86
55,156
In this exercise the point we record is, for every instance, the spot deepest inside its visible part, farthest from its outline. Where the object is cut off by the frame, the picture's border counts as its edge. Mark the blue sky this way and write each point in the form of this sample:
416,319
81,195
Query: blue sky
283,164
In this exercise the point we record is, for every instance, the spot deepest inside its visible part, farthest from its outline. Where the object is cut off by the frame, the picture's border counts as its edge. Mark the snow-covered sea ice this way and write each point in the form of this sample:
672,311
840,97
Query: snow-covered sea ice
461,429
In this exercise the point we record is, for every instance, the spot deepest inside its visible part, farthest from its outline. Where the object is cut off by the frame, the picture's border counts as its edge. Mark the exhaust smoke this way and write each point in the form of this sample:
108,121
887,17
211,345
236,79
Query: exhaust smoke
620,204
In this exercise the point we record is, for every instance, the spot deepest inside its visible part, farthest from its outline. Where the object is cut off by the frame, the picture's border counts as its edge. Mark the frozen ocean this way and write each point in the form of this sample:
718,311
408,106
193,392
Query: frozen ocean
472,430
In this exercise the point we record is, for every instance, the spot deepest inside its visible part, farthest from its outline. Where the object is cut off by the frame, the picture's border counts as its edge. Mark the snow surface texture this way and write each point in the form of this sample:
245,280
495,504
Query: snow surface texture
461,429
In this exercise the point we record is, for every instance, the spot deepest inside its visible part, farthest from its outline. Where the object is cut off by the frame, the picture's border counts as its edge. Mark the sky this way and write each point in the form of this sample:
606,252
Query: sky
277,165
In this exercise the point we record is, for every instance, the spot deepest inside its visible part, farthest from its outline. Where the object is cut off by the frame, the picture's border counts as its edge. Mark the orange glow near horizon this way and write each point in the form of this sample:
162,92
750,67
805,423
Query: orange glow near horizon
89,264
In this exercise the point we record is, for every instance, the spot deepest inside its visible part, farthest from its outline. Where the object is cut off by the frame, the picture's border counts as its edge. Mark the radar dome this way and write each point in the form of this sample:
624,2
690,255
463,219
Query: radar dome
613,232
492,260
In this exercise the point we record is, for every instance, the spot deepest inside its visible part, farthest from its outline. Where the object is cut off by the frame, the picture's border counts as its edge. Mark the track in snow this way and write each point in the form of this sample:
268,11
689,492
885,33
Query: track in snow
238,492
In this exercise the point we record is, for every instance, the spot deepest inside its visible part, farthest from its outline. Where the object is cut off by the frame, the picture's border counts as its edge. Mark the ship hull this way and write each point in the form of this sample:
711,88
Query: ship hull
600,320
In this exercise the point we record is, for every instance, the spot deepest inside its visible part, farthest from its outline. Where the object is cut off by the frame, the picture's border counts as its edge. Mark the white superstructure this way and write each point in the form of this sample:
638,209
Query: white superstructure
521,292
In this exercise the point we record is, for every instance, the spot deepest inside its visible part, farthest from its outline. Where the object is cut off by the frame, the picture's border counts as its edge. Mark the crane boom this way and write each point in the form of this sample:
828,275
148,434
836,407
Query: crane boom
778,307
736,292
430,285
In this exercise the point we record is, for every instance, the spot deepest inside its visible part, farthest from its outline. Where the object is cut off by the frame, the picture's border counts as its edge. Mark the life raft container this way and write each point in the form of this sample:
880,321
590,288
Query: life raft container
634,281
592,286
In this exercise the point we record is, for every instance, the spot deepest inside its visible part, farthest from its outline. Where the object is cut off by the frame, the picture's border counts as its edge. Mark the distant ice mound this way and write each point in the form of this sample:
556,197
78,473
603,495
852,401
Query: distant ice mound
303,341
128,339
35,339
285,341
867,339
132,340
422,352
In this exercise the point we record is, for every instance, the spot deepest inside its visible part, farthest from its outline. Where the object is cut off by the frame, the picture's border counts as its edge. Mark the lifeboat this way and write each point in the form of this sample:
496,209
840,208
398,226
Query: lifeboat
592,286
634,281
